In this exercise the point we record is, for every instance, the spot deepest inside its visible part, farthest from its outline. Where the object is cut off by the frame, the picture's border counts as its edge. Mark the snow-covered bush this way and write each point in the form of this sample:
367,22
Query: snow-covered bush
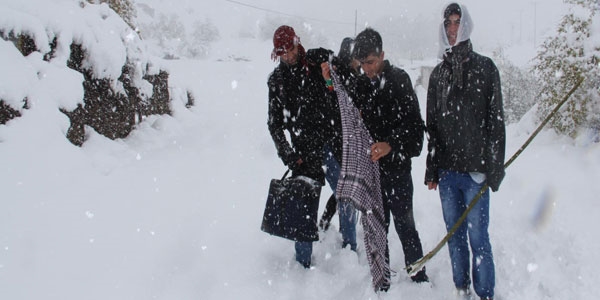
123,8
572,53
91,58
519,88
172,37
203,33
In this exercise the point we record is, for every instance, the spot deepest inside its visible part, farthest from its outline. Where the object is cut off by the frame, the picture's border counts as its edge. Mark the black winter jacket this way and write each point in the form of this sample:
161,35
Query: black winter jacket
470,135
298,101
390,111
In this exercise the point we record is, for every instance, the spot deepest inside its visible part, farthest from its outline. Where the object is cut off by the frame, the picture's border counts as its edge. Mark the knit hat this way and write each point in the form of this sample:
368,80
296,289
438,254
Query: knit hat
284,39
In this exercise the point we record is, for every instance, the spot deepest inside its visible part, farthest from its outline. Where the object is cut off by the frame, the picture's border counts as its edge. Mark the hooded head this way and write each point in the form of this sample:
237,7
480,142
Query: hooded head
345,53
452,9
465,26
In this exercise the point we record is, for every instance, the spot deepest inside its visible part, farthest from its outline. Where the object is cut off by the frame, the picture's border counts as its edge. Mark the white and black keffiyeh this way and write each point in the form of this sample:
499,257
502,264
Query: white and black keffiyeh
359,183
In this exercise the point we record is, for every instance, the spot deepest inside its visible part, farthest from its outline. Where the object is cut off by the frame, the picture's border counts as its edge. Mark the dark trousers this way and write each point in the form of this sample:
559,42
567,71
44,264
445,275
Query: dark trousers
397,192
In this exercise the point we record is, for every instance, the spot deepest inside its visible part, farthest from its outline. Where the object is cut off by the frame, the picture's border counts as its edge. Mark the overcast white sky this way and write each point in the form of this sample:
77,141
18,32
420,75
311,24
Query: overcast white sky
494,19
509,24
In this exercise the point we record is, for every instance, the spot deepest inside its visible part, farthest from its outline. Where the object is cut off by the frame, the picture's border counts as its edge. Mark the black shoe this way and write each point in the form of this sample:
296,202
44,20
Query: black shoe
306,265
420,277
463,293
384,288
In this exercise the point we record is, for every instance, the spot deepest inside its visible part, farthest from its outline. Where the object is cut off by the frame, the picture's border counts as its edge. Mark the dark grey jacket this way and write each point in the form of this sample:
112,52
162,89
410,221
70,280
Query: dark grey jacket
470,135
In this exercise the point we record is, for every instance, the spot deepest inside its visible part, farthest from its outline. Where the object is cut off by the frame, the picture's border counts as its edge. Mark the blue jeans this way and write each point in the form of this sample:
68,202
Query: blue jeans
304,253
304,248
457,190
347,212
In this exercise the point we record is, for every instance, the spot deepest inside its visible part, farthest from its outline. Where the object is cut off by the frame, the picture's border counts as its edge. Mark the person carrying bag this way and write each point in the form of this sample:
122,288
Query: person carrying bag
298,100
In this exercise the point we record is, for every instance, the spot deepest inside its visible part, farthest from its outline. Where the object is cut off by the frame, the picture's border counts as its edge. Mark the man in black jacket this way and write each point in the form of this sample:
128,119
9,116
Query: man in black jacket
465,124
390,111
298,100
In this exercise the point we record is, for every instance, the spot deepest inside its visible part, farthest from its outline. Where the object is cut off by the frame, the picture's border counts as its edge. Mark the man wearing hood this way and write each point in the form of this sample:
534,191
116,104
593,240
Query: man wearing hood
465,124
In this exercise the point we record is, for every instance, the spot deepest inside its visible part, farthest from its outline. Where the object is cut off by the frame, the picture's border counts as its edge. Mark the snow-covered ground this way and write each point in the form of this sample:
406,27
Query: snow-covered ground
174,210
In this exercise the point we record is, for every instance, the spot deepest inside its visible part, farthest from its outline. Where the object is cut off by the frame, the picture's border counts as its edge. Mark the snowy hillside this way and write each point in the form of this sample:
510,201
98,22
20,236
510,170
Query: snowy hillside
173,211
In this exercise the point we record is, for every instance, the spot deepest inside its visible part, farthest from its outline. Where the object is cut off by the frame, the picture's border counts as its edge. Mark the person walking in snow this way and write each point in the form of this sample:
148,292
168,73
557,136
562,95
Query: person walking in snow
297,100
466,141
390,111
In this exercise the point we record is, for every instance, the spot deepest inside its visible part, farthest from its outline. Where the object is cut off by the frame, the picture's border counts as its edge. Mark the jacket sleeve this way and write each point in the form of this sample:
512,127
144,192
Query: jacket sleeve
496,142
277,126
333,124
431,170
407,136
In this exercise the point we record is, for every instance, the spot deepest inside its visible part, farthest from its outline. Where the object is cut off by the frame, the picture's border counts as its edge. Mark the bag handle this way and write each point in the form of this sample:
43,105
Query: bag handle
285,174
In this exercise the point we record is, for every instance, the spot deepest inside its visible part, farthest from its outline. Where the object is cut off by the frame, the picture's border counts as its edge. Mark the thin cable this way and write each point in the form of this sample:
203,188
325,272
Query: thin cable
289,15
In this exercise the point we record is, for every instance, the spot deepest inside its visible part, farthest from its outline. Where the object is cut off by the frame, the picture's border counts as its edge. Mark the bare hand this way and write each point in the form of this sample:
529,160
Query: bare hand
379,150
432,185
325,70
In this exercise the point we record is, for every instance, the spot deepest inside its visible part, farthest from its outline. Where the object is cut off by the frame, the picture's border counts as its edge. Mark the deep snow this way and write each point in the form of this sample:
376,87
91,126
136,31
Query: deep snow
174,210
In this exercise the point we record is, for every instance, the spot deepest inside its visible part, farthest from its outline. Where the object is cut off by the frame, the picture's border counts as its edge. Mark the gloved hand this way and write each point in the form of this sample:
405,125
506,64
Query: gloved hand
293,161
317,56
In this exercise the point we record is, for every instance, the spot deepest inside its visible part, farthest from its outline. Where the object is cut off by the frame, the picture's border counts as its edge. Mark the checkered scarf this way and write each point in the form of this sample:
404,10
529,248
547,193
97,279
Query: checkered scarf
359,183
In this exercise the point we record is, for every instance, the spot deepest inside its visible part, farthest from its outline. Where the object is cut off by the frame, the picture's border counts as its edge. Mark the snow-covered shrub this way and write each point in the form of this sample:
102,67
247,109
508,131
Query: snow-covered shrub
203,33
519,88
572,53
123,8
92,60
175,39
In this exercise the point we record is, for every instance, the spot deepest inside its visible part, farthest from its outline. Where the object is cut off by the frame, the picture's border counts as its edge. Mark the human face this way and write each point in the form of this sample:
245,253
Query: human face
451,24
372,65
290,56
